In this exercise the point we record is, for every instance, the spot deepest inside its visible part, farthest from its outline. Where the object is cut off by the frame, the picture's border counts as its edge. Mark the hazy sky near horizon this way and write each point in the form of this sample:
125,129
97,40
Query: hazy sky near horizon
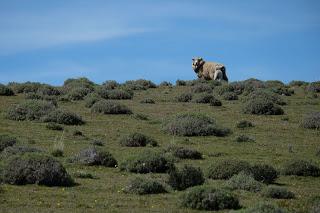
50,41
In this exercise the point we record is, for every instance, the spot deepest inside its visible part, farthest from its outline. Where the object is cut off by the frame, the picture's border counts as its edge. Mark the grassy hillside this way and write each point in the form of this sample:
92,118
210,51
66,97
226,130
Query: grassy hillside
274,140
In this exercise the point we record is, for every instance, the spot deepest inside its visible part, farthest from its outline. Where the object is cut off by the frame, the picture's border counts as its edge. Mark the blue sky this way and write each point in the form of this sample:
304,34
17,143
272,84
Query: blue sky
50,41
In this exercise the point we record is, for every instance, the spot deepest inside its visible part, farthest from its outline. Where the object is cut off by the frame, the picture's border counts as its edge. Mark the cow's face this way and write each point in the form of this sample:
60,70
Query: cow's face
196,63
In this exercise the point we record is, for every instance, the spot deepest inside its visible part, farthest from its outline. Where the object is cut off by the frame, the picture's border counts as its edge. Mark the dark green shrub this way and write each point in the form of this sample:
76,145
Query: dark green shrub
187,176
184,97
91,99
301,168
184,153
193,125
277,193
203,98
36,96
264,173
199,88
63,117
283,91
227,168
97,142
140,116
266,95
230,96
30,110
6,141
77,93
137,139
111,84
5,91
142,186
244,181
147,101
35,168
57,153
17,150
83,175
273,83
25,87
244,124
260,106
110,107
82,82
94,157
77,133
181,83
54,126
297,83
47,90
224,89
265,208
244,138
215,102
139,84
207,198
147,162
314,87
119,94
165,84
311,121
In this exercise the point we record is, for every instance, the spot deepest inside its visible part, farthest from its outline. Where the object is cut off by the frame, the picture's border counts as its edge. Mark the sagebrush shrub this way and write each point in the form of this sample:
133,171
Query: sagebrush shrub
111,84
147,162
165,84
311,121
277,193
215,102
203,98
184,97
143,186
57,153
224,89
137,139
25,87
78,83
297,83
36,96
110,107
54,126
283,91
96,142
301,168
77,93
140,84
5,91
227,168
207,198
230,96
91,99
184,153
94,157
314,87
193,125
181,83
244,124
147,101
35,168
199,88
244,181
6,141
267,96
17,150
47,90
261,106
264,173
263,207
119,94
244,138
274,83
140,116
187,176
63,117
30,110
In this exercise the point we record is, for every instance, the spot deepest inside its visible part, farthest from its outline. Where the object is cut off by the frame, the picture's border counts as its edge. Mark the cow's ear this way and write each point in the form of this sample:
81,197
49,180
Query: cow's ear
200,59
193,59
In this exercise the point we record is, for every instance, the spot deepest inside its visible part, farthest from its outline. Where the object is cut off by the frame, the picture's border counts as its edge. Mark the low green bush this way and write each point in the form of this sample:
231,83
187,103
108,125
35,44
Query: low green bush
203,98
36,168
264,173
187,176
311,121
77,93
215,102
297,83
110,107
301,168
184,97
54,126
227,168
82,82
18,150
244,138
147,101
200,88
140,116
193,125
25,87
244,181
6,141
63,117
94,157
30,110
244,124
165,84
140,84
181,83
110,84
277,193
91,99
314,87
142,186
147,162
5,91
230,96
137,139
207,198
260,106
184,153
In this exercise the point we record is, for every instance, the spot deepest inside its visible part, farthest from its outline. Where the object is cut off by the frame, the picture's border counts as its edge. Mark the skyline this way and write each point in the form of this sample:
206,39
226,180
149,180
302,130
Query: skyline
117,40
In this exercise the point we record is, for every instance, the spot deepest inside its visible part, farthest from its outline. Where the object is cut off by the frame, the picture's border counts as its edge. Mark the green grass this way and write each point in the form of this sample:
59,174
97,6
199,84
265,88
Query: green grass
105,193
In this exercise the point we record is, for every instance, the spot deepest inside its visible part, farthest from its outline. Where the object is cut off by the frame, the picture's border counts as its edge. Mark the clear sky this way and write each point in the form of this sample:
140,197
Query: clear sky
50,41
